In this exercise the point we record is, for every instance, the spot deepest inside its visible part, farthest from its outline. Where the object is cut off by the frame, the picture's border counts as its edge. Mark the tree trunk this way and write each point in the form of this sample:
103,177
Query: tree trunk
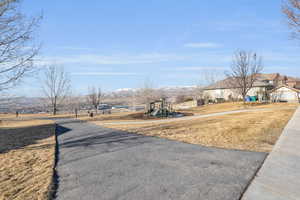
96,108
54,110
54,106
244,99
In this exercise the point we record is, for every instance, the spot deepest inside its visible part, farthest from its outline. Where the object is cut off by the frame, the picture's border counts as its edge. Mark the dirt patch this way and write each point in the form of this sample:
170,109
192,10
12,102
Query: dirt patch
26,160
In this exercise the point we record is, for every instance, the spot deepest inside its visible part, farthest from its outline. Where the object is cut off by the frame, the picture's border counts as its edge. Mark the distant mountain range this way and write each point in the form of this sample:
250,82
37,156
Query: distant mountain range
160,88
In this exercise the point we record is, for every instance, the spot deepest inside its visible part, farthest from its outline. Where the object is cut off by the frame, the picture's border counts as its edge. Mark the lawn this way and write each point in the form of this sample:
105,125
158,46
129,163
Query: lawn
223,107
120,116
253,131
201,110
35,115
27,150
116,114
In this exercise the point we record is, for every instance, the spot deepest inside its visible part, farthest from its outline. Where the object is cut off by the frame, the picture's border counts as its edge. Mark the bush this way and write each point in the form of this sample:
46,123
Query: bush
182,98
188,99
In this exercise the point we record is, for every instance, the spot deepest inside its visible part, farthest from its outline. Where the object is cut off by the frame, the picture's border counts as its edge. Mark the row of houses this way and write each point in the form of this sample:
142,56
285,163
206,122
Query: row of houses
274,87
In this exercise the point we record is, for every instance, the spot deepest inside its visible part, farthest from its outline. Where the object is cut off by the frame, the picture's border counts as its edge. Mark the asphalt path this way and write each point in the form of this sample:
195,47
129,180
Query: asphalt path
100,163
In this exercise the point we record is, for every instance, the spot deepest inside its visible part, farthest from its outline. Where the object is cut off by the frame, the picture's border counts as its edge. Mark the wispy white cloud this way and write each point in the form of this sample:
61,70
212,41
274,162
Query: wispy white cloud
281,57
112,60
252,23
272,68
191,76
75,48
198,68
104,74
202,45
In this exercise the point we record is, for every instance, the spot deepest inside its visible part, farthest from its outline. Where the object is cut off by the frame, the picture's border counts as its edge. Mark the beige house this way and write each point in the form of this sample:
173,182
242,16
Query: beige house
262,87
224,90
284,94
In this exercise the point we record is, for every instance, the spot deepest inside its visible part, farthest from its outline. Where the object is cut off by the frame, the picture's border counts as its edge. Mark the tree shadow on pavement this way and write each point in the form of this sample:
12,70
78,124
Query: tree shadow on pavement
110,137
20,137
61,130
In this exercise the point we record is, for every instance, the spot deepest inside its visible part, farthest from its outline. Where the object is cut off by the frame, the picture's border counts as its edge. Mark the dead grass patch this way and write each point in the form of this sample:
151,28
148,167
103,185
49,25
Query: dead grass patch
120,116
27,151
253,131
223,107
36,116
201,110
23,123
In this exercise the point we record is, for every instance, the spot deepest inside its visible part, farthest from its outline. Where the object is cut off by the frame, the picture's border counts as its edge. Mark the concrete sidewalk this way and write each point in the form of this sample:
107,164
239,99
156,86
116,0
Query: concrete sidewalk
279,177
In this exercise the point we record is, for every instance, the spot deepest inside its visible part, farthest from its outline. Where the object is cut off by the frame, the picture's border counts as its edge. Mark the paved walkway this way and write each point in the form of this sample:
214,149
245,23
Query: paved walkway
279,177
97,163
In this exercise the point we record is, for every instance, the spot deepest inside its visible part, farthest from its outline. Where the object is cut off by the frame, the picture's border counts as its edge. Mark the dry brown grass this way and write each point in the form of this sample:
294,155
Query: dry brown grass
120,116
81,115
223,107
35,115
23,123
12,115
254,131
201,110
27,151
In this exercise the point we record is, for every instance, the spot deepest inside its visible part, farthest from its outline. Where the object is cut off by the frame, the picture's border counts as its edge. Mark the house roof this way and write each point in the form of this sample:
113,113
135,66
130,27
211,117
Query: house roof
276,76
260,82
227,84
289,78
269,77
294,89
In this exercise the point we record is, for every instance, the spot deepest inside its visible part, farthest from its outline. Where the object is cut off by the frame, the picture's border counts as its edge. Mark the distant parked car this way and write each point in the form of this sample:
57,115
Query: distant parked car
104,107
120,106
137,108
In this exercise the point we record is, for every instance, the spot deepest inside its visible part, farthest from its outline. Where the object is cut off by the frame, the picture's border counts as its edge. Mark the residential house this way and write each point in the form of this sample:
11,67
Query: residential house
284,93
262,88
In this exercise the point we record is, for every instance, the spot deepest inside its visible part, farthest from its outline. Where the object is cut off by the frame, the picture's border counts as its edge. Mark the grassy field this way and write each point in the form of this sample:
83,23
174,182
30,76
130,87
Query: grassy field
27,150
223,107
201,110
23,123
120,116
36,115
254,131
81,115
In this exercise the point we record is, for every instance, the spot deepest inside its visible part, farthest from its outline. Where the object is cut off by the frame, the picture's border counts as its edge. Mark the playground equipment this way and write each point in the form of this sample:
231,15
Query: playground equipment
161,108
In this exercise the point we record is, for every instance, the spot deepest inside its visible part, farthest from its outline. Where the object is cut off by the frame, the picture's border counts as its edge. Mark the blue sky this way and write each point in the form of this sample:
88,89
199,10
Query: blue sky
121,43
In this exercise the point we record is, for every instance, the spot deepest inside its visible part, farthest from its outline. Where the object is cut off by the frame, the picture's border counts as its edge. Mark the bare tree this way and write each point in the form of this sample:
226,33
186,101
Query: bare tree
208,77
180,98
292,11
94,97
56,86
244,70
211,76
198,92
147,93
16,43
